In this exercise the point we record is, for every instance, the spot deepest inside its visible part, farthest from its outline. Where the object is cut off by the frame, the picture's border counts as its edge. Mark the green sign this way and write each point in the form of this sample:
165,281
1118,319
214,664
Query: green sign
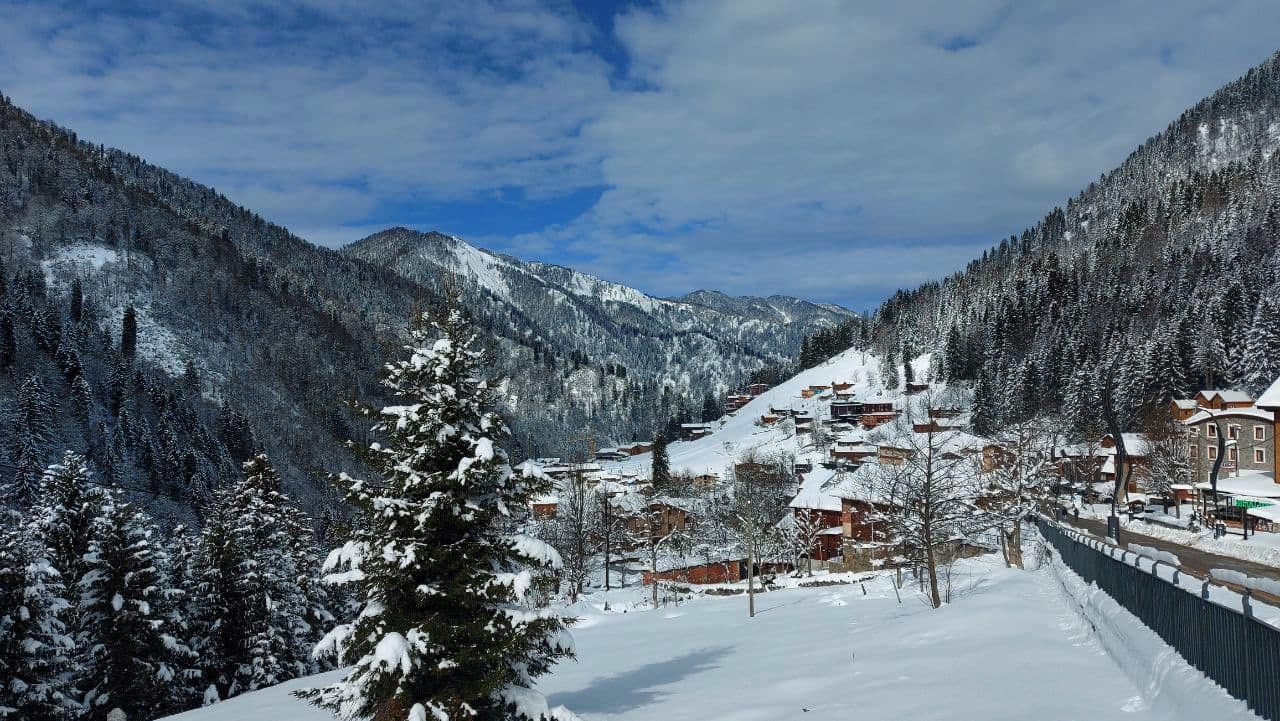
1242,503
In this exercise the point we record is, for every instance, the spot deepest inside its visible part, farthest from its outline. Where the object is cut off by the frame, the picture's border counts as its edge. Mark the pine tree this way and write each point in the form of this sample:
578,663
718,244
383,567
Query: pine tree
660,474
35,649
1261,363
448,628
65,514
129,334
251,615
32,428
133,662
218,607
77,301
8,342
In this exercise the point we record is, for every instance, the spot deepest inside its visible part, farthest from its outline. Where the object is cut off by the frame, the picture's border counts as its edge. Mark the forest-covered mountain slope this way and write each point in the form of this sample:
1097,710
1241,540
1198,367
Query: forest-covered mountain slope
245,336
593,356
1166,268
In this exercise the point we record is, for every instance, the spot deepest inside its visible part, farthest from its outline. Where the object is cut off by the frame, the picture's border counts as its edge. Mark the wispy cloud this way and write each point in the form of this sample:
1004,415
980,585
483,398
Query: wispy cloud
828,149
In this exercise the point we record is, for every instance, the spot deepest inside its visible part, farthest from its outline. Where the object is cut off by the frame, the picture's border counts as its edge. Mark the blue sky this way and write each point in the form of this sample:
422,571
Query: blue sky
830,149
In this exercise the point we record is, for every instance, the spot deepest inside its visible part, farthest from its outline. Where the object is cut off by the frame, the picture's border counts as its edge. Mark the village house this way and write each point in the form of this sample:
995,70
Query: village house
812,391
863,540
814,502
1221,400
804,424
756,389
852,450
706,480
939,425
846,409
1137,452
611,454
839,387
1248,435
878,410
694,431
1182,408
913,388
1270,402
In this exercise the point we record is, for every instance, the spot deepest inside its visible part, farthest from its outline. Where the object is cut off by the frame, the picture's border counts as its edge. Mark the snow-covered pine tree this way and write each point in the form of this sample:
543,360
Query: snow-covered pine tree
1260,364
31,428
133,662
36,682
250,609
447,629
184,575
65,513
218,606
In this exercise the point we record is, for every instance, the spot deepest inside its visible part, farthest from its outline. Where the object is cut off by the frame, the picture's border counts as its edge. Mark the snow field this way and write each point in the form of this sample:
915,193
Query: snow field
1009,646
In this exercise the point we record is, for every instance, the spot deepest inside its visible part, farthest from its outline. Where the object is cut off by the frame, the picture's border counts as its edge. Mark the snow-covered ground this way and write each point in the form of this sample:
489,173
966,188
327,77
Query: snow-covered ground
1010,646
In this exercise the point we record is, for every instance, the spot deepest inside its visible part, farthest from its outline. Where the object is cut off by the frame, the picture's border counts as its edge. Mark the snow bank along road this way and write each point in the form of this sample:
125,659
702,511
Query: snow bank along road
1008,647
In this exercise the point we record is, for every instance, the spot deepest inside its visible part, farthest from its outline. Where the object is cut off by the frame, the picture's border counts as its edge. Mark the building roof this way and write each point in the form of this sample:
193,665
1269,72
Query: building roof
1227,396
1135,445
1271,397
815,495
1184,403
1260,484
1206,414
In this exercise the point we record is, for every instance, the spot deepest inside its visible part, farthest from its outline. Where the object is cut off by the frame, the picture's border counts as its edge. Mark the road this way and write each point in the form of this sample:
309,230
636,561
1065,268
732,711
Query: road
1194,560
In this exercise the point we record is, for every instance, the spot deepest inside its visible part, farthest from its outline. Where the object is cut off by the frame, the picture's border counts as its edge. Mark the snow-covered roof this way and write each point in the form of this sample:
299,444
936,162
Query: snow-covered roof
1205,414
1261,484
1270,398
1227,396
1184,403
1270,513
814,494
858,484
1135,444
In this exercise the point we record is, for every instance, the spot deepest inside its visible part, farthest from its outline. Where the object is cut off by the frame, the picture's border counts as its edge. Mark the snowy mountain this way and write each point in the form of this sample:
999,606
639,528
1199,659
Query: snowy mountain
632,359
1166,267
246,336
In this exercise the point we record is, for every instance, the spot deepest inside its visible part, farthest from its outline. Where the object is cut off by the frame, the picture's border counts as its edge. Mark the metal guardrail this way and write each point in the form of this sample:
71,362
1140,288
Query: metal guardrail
1237,651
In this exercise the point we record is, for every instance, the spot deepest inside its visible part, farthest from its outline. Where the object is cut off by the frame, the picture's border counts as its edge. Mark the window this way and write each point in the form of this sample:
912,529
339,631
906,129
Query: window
1213,431
1232,453
1233,432
1259,455
1194,451
1213,452
1259,433
1195,430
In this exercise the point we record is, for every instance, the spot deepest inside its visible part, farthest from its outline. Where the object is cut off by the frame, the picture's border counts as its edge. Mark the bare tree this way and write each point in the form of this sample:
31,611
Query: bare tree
1015,474
929,494
1168,461
799,534
576,533
647,527
755,502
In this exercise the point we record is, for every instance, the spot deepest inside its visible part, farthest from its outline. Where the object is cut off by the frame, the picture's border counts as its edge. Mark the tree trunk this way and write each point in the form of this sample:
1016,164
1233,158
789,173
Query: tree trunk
653,568
931,563
751,589
1013,544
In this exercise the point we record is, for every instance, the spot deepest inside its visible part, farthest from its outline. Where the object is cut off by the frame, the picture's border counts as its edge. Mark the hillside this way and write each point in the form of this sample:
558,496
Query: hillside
248,336
633,356
1166,268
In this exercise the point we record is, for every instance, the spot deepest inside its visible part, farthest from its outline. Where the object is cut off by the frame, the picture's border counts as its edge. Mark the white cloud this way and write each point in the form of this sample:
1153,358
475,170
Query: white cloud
828,149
